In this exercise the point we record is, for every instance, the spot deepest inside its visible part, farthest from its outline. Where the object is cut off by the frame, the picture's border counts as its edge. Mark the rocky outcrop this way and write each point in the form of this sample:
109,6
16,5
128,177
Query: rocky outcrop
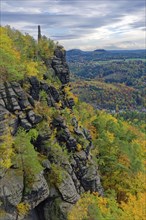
47,200
60,66
4,114
38,193
68,190
11,188
11,193
15,101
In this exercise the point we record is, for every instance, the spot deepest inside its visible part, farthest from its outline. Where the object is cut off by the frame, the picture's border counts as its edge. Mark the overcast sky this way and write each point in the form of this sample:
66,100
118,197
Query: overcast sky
82,24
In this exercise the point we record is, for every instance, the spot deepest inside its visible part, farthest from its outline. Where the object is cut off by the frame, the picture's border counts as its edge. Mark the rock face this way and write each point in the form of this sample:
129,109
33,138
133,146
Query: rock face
15,101
60,66
47,200
11,192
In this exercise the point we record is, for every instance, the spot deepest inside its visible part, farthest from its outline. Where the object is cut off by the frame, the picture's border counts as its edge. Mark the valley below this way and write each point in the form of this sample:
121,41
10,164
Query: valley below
110,80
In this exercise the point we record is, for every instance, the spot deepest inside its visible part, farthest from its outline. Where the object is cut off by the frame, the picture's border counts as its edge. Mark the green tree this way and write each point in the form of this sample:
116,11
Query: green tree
27,156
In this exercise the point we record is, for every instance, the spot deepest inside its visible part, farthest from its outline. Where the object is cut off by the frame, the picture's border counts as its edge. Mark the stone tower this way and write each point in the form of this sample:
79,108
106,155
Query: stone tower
39,32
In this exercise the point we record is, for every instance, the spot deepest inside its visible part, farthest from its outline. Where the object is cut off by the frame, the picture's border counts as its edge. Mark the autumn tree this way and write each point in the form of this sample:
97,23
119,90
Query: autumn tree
27,156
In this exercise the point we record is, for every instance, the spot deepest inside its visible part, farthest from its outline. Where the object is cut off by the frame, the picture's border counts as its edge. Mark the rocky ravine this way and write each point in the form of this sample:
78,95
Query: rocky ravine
17,108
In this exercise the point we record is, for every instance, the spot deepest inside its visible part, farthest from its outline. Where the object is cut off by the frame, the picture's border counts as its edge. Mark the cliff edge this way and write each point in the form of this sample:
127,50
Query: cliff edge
51,164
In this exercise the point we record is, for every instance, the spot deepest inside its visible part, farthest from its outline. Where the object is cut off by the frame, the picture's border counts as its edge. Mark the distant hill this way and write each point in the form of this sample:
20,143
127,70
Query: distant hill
77,55
76,52
99,50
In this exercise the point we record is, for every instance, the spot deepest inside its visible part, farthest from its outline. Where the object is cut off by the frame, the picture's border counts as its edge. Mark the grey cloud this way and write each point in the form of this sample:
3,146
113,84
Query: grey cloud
76,17
82,5
43,18
66,37
116,5
128,6
66,22
139,24
78,21
144,29
78,9
118,46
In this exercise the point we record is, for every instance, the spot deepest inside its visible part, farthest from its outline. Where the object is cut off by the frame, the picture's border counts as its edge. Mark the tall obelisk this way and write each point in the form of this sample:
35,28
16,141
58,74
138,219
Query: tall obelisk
39,32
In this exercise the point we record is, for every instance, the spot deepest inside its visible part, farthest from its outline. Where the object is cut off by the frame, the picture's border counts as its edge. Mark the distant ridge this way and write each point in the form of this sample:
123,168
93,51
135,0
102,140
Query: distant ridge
99,50
83,51
76,51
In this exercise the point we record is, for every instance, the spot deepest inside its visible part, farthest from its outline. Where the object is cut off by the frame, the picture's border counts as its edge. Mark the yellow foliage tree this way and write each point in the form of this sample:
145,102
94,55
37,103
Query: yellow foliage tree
10,65
6,150
31,68
135,208
19,55
7,43
91,206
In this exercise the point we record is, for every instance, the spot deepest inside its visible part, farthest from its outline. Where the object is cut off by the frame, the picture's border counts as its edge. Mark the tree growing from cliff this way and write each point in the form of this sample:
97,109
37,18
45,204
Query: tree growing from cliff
27,156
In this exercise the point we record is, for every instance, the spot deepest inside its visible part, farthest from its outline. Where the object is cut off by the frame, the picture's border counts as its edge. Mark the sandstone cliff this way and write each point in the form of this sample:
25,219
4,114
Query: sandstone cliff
62,145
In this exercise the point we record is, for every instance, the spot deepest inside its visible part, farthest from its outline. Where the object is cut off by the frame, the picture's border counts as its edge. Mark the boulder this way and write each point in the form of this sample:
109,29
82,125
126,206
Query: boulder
11,188
46,164
91,180
56,61
60,52
4,116
33,118
38,193
68,190
35,86
54,93
11,194
62,72
14,123
25,124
